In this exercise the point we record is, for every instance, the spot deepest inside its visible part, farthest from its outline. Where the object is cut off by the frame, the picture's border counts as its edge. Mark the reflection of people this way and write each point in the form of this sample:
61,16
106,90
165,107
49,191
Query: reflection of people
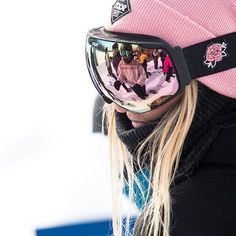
143,61
162,56
132,72
108,64
168,67
155,56
115,62
116,56
177,162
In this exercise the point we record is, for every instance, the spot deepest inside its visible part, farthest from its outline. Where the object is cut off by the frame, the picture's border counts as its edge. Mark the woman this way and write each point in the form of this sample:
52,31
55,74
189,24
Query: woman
168,68
132,72
177,160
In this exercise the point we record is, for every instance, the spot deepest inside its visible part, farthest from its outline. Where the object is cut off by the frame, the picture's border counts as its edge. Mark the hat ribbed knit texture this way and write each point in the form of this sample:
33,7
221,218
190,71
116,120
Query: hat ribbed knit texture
184,23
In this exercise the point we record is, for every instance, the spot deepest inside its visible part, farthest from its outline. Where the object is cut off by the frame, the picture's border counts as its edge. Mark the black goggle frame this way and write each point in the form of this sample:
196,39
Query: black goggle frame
189,62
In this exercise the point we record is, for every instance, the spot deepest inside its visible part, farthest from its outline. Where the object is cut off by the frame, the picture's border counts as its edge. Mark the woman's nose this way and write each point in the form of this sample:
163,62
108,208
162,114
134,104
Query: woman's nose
118,108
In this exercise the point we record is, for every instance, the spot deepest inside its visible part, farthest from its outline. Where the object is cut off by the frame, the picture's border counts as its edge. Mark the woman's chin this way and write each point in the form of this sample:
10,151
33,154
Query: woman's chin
137,124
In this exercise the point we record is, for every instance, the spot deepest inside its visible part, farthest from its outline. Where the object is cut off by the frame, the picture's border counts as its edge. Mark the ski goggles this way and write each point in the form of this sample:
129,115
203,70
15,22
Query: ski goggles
140,72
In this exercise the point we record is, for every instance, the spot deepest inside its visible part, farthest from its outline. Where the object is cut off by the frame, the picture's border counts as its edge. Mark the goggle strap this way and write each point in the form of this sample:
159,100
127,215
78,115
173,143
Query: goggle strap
212,56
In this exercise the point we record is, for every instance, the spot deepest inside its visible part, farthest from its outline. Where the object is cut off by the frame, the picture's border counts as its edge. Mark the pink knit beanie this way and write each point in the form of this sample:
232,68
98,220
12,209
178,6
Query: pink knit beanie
182,23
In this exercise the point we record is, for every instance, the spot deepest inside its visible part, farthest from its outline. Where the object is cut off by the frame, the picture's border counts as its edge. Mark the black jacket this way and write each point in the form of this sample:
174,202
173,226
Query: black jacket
204,191
205,203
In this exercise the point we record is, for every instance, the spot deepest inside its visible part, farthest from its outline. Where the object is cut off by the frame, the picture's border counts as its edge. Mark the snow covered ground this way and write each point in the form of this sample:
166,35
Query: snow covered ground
53,170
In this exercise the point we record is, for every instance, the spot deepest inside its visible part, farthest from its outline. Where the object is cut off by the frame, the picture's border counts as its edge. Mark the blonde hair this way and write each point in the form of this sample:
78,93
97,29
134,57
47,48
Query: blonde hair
164,148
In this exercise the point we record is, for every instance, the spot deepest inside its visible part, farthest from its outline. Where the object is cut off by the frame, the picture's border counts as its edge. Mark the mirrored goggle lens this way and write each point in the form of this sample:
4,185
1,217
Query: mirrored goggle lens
136,78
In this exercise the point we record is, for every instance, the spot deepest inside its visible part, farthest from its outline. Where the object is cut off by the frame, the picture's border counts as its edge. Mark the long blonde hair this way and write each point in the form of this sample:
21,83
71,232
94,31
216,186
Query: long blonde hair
164,149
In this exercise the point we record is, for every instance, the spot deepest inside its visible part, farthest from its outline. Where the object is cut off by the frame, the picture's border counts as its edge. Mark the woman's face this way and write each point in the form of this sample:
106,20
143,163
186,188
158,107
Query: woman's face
142,119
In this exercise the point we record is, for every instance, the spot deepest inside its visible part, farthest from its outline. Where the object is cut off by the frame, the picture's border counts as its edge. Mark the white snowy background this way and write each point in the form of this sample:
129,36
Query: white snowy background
53,169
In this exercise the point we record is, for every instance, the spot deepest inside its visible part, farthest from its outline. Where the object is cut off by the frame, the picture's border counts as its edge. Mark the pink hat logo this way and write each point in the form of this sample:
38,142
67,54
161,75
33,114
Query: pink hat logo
215,53
120,9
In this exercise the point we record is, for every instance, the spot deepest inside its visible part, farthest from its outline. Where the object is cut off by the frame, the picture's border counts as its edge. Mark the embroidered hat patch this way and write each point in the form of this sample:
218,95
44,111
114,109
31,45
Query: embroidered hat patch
215,53
120,9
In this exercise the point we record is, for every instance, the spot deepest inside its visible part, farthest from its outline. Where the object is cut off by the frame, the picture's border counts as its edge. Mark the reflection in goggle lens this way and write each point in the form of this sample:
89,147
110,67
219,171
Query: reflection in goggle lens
124,53
136,78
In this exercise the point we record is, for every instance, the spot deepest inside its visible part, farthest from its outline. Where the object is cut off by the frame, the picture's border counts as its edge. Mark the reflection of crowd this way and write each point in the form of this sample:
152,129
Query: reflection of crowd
167,65
131,67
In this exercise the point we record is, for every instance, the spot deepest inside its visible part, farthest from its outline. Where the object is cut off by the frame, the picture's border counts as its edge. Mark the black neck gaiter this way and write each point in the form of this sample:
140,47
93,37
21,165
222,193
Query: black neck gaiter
130,136
213,111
